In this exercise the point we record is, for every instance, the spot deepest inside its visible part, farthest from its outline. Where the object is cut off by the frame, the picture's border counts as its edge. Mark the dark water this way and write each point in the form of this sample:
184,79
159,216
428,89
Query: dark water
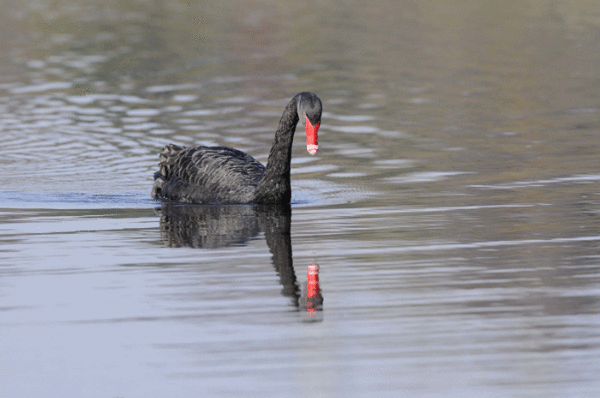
453,208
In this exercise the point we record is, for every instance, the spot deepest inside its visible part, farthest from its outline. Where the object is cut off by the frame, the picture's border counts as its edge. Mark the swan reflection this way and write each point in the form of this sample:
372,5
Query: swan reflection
312,299
208,227
218,226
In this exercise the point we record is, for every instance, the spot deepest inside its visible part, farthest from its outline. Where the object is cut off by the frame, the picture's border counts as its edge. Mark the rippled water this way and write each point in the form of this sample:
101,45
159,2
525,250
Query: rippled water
453,208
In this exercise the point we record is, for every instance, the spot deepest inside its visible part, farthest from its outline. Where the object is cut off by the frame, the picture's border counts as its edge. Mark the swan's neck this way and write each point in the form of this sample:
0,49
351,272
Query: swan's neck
275,186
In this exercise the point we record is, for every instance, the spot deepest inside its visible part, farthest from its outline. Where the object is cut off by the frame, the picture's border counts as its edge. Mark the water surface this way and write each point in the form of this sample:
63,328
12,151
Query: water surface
453,208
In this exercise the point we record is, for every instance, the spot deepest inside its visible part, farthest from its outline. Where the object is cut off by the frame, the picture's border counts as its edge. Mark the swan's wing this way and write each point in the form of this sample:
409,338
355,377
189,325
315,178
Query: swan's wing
207,174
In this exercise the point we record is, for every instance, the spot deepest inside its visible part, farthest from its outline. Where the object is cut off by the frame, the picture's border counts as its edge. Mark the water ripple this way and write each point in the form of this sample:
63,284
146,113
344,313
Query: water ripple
574,179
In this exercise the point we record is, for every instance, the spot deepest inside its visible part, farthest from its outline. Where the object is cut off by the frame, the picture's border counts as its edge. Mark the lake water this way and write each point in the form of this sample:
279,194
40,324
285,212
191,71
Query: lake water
453,209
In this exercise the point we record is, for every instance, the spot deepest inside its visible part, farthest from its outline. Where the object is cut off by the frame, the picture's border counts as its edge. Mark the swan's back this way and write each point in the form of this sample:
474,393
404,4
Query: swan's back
206,175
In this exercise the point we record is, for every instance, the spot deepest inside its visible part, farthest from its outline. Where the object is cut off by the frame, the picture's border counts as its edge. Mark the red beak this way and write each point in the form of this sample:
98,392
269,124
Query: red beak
312,140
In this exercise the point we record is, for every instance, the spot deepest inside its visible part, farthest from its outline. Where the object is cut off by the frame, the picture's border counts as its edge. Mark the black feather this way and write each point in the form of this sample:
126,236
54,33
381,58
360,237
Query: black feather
226,175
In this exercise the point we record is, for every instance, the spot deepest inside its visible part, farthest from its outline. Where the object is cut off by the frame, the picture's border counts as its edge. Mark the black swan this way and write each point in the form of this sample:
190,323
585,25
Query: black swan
224,175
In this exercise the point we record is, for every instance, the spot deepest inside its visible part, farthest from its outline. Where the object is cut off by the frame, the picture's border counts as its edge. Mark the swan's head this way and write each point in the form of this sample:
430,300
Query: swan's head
309,112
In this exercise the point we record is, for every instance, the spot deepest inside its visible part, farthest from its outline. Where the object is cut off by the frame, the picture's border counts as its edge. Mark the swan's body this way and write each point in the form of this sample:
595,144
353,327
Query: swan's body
226,175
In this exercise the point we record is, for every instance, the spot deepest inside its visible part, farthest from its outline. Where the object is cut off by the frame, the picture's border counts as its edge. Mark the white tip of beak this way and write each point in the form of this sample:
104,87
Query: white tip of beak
312,149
